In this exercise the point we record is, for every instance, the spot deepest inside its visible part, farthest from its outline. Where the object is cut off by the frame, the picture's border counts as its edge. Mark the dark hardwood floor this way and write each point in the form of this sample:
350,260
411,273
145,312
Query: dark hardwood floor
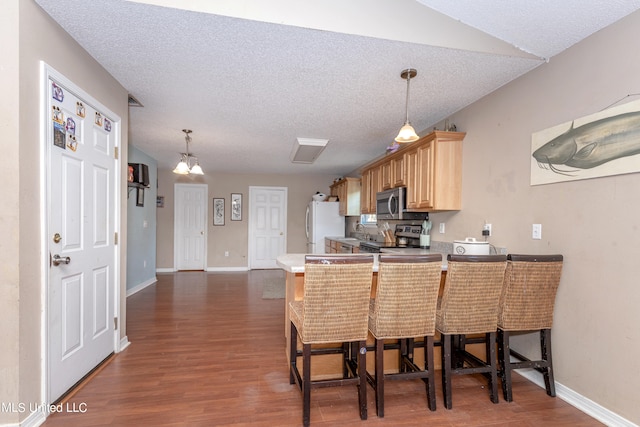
207,349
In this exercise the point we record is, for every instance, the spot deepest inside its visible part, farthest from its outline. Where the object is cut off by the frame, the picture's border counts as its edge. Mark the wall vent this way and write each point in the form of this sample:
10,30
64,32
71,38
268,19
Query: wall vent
133,102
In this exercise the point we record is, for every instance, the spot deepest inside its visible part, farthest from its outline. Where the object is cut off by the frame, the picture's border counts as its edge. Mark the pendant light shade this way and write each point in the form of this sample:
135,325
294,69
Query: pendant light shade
407,132
184,166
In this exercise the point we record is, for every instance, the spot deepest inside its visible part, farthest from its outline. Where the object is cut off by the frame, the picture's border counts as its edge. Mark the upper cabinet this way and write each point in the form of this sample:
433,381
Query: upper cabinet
348,192
430,168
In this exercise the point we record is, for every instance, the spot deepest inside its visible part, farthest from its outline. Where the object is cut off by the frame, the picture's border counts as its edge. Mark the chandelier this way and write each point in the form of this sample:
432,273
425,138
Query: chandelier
184,165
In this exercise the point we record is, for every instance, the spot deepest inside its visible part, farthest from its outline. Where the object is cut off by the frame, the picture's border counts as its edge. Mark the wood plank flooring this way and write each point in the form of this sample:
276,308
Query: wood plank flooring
207,350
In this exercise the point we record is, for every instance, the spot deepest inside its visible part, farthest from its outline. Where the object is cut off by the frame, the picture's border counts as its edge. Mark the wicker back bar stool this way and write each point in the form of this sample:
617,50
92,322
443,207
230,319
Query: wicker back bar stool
526,304
405,308
469,305
334,309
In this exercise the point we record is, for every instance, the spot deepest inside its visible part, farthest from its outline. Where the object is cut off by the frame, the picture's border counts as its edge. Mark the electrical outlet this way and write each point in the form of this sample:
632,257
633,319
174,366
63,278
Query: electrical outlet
486,230
441,229
536,231
226,253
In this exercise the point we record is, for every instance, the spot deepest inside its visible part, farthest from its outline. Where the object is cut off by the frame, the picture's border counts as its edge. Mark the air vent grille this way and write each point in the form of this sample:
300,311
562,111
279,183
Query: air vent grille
133,102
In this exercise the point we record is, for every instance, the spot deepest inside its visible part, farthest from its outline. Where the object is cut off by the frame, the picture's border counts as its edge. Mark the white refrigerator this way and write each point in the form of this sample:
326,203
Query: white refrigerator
322,220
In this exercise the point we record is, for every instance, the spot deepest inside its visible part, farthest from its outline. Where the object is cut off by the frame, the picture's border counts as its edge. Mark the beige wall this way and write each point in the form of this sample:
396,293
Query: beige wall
28,37
9,218
233,236
594,223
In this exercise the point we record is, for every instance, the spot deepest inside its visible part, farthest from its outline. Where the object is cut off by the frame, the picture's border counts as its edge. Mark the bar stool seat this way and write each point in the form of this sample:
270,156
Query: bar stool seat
334,309
405,308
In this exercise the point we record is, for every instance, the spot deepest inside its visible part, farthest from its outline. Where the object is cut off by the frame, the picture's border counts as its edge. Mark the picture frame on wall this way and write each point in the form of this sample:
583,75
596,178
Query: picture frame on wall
139,196
218,211
236,206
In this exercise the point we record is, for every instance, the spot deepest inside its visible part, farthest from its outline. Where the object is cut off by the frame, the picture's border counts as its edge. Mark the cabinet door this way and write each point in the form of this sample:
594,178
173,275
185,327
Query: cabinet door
398,176
365,192
342,198
376,186
426,167
386,176
412,178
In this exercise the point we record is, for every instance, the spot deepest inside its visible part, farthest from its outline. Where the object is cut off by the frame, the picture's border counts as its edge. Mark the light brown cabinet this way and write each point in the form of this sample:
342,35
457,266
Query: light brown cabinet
398,173
348,192
430,168
367,205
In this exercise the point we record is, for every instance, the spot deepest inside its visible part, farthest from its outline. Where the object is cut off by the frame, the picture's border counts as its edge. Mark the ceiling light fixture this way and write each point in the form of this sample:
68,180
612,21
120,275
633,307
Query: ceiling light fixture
184,165
407,132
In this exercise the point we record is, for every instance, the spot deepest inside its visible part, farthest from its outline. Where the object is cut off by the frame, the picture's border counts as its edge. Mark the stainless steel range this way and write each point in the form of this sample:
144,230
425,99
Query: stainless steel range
407,236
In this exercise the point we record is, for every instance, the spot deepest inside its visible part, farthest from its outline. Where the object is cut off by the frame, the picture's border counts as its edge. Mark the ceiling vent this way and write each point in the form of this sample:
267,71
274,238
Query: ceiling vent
133,102
307,150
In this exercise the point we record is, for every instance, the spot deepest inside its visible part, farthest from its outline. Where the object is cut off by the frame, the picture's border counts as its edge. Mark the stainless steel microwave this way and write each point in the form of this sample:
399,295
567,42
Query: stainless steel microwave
392,204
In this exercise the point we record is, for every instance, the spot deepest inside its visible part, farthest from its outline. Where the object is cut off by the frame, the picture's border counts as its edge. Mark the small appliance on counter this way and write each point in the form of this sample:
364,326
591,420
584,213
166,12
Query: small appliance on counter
425,237
471,246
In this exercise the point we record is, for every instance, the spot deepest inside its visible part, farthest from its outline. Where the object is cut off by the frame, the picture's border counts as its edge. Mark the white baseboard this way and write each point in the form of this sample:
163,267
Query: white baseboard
34,419
215,269
578,401
124,343
141,286
209,269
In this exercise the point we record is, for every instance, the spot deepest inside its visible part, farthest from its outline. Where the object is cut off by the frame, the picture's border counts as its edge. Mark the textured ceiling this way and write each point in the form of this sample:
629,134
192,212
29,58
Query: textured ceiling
249,87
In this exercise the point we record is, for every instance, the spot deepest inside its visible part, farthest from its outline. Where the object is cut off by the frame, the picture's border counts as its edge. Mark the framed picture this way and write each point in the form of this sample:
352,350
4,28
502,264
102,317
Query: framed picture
218,211
139,196
236,207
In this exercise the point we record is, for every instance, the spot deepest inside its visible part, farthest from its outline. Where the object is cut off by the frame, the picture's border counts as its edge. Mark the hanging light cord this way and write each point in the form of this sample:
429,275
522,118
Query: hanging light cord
406,107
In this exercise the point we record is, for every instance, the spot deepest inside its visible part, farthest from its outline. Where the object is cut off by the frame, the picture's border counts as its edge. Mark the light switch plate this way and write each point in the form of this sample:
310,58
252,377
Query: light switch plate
536,231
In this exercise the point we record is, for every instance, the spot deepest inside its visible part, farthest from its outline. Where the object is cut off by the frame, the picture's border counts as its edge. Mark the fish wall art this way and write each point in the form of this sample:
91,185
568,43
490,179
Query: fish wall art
602,144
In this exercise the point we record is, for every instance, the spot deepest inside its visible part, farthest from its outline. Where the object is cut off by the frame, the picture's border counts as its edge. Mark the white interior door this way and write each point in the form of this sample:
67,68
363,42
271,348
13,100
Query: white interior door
190,226
267,226
81,217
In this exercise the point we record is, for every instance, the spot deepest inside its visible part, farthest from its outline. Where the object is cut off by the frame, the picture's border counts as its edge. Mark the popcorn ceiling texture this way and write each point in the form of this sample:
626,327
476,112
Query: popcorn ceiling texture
248,89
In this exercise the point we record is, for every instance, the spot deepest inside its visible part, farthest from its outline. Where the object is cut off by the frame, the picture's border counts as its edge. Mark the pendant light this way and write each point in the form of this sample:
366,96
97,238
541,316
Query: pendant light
407,132
184,165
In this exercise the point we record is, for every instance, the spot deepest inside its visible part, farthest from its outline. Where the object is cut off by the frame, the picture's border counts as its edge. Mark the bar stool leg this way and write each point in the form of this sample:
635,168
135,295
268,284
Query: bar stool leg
306,384
379,379
446,370
491,360
505,364
545,350
362,374
429,366
293,353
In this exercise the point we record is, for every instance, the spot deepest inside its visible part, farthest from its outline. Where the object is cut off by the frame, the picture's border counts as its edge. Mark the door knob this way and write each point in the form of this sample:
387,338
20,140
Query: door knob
57,260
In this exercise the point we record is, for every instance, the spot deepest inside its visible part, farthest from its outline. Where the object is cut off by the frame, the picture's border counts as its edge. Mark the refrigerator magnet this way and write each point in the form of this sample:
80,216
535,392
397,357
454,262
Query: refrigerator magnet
98,119
80,109
59,134
57,92
71,126
72,143
57,115
107,125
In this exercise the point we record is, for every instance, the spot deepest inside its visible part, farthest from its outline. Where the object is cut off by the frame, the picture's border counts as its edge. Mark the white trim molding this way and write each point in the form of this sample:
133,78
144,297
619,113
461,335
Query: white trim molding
578,401
141,286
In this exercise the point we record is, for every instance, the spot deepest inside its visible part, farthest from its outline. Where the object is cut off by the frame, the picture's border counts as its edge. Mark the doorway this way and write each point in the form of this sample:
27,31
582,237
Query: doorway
81,139
267,226
190,225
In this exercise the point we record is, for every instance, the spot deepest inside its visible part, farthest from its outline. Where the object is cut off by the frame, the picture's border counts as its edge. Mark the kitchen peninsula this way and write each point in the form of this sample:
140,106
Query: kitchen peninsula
293,265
